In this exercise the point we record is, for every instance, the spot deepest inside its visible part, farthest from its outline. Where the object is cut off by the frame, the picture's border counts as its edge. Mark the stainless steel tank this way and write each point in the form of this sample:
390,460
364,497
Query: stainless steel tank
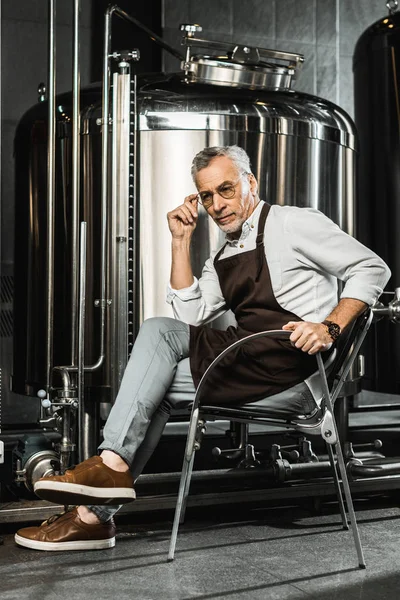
302,151
29,365
376,65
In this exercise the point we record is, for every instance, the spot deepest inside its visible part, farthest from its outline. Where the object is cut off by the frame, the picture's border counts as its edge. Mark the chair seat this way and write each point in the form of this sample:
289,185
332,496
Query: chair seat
301,401
264,413
297,401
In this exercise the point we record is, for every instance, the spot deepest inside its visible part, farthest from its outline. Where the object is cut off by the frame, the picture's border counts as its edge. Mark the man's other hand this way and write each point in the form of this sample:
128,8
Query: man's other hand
182,221
309,337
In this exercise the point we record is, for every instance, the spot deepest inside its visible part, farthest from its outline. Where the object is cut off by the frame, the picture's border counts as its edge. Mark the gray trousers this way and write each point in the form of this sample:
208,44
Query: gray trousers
157,379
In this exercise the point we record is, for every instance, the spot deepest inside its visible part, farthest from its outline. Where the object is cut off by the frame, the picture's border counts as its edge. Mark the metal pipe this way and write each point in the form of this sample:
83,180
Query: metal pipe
119,227
135,211
75,180
50,193
104,182
104,193
81,340
104,161
65,443
153,36
66,379
311,469
381,470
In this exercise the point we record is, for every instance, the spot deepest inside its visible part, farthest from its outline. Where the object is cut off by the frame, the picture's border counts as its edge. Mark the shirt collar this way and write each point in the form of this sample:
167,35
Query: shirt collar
248,226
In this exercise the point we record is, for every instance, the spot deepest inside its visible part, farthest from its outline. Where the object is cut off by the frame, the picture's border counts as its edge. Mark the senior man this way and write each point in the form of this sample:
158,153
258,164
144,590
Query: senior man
278,268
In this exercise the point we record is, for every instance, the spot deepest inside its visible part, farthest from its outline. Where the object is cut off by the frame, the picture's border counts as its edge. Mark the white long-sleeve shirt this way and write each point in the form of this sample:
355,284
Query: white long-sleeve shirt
306,254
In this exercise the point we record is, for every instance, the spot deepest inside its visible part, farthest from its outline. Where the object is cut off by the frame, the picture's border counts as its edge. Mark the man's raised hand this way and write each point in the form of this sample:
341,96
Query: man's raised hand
182,220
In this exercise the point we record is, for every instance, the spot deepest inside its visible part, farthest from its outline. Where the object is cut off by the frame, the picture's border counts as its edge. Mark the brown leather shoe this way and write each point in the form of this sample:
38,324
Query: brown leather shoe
90,482
67,532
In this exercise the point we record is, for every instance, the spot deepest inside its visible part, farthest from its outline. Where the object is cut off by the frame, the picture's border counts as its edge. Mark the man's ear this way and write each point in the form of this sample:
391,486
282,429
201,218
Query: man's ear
253,184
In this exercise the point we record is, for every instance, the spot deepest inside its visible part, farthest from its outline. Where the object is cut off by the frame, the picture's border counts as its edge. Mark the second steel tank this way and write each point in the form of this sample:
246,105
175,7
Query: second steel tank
376,65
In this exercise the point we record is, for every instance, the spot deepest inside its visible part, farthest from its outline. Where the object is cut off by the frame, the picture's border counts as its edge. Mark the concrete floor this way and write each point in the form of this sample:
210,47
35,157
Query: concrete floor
269,553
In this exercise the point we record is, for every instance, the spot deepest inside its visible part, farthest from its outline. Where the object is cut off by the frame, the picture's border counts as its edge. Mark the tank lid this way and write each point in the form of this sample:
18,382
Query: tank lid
237,65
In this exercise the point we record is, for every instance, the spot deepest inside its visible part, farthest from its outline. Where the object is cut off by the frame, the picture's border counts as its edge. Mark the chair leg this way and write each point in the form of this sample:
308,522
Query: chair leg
337,487
342,466
181,502
186,490
350,507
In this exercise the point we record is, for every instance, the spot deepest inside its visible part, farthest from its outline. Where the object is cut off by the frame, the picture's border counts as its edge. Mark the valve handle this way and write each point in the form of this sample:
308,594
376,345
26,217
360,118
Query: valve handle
191,28
392,6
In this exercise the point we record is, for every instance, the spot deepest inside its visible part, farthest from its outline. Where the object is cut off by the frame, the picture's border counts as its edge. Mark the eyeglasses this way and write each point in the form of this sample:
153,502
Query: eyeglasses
225,190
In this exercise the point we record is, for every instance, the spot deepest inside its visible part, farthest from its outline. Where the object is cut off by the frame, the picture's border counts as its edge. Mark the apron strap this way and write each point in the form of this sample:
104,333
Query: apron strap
260,239
216,257
261,224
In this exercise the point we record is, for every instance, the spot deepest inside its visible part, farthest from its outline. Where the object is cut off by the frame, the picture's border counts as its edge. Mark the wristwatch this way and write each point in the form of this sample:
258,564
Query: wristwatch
333,329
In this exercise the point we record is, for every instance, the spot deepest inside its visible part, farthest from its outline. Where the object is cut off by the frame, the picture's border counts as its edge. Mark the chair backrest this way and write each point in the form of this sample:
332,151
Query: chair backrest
342,356
345,353
349,344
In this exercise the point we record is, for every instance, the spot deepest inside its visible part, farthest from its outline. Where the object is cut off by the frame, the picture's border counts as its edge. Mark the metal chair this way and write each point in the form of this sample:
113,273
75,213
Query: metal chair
325,386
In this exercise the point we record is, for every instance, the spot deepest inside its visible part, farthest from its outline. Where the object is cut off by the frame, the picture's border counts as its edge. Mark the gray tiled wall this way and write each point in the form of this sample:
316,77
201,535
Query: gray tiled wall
325,31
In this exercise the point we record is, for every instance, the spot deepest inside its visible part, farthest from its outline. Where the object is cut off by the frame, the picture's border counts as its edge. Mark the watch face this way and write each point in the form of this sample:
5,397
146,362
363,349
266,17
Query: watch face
333,329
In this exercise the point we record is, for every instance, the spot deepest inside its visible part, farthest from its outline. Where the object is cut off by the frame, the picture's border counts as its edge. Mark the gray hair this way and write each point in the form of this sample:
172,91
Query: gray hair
238,156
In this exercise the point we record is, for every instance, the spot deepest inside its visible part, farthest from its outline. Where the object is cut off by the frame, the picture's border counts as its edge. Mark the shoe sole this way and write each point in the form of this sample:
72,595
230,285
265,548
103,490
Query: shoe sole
73,493
59,546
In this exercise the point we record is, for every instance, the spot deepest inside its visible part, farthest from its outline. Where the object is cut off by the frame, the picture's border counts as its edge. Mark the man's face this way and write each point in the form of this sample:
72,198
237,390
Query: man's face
229,214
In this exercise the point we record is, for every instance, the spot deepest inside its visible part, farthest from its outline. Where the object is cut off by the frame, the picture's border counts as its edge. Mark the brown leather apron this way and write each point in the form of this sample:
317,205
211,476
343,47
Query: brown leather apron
259,368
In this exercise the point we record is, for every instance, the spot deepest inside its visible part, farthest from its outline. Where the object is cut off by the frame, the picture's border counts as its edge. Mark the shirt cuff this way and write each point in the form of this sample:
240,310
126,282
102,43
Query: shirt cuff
185,294
369,295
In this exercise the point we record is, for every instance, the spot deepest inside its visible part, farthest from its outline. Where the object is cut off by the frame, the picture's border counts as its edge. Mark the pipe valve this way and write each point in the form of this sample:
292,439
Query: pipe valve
392,310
